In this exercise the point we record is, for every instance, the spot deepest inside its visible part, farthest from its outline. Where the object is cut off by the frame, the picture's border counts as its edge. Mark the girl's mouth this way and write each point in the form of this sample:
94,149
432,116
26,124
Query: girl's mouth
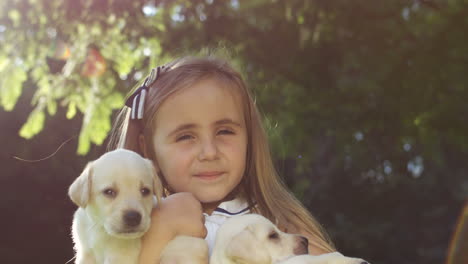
209,175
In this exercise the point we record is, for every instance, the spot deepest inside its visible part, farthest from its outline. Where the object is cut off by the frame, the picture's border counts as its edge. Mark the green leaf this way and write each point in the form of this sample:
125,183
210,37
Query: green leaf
15,16
100,124
71,112
114,100
52,107
11,86
96,126
33,125
83,143
4,61
124,61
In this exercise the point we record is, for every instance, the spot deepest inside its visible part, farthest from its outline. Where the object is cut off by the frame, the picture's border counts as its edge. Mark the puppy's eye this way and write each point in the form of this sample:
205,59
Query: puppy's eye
273,235
109,192
145,191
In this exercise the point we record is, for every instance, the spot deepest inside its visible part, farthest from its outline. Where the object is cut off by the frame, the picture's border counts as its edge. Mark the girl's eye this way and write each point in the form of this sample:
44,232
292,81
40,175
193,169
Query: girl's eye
145,191
273,235
184,137
109,192
225,132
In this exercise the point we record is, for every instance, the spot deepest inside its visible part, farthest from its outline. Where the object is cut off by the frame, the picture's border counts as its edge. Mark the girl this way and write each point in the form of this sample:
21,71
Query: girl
196,119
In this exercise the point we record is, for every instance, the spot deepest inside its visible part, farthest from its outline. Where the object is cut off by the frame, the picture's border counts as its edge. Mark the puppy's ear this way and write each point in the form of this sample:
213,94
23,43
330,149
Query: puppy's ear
80,189
243,249
157,186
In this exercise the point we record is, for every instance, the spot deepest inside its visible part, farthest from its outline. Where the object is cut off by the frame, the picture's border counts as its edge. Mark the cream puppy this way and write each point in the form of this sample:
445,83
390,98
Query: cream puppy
115,195
253,239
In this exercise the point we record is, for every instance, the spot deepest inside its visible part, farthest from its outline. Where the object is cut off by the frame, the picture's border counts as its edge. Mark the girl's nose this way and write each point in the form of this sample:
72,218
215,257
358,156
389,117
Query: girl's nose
209,150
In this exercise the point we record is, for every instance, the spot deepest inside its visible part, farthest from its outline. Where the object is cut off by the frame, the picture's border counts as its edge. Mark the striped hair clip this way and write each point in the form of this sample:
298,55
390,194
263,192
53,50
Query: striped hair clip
136,101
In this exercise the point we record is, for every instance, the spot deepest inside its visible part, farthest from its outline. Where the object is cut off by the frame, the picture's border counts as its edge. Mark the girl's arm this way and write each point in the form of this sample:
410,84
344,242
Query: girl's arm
178,214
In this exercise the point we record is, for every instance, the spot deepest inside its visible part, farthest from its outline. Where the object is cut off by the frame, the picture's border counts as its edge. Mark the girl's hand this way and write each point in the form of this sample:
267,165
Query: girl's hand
178,214
182,213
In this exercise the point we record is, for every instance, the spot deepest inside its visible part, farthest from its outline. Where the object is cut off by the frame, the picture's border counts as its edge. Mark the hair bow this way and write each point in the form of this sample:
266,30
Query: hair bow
136,101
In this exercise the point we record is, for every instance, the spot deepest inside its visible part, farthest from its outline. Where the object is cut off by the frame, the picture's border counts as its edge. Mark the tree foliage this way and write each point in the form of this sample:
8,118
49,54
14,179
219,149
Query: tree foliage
363,98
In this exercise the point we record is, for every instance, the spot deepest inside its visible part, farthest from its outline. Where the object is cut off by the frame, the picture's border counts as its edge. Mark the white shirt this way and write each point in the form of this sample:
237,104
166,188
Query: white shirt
224,211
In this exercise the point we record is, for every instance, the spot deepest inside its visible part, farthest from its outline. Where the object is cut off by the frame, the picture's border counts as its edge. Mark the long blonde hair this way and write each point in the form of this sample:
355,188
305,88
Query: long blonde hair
260,184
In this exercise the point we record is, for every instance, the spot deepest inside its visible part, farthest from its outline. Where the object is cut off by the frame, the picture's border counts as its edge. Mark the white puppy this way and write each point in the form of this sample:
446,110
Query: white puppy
253,239
115,199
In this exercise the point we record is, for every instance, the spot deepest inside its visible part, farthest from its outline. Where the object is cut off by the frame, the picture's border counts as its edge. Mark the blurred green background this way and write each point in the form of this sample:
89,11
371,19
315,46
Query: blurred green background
364,102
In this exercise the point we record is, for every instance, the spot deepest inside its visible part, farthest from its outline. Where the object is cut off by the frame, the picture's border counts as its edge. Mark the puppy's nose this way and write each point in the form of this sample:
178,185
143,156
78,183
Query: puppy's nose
132,218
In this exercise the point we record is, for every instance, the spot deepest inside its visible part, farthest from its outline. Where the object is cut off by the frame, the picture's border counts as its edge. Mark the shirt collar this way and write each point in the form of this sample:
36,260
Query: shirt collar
237,206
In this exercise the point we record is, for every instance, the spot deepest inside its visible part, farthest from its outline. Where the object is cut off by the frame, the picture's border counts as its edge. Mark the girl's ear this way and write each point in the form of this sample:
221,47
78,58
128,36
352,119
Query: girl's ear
80,190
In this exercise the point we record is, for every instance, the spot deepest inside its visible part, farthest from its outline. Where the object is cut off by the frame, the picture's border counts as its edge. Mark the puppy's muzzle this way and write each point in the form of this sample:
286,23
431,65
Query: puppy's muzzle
132,218
302,247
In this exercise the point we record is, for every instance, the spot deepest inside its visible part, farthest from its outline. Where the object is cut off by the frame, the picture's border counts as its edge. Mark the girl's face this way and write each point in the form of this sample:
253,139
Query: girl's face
200,141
